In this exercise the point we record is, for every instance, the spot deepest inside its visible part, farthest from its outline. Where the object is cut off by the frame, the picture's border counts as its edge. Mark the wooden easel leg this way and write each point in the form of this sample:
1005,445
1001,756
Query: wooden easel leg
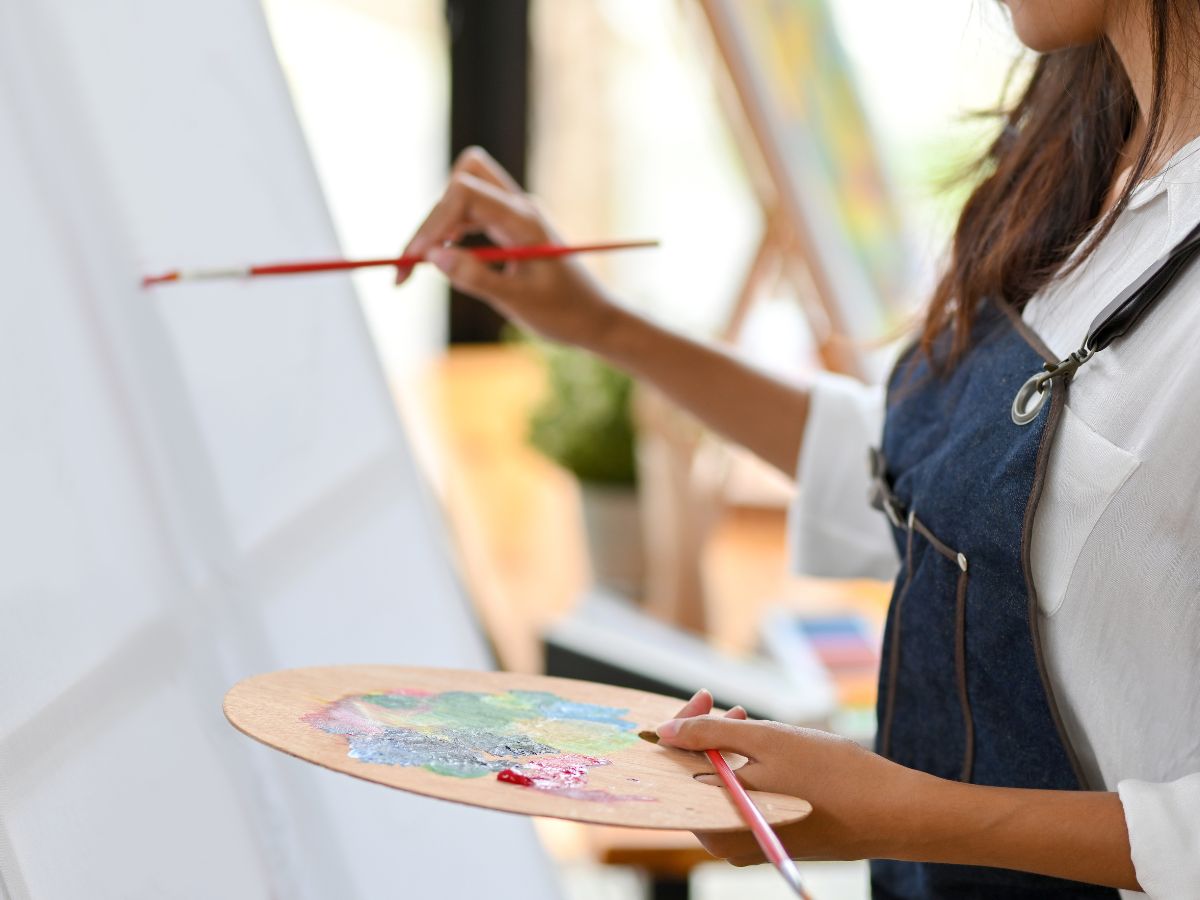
837,354
763,266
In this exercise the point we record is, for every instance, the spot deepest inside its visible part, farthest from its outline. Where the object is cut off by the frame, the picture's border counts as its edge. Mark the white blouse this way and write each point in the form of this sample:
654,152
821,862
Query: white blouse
1116,542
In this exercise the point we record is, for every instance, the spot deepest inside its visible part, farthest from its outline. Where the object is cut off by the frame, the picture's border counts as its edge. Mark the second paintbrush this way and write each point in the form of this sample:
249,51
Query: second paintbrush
485,254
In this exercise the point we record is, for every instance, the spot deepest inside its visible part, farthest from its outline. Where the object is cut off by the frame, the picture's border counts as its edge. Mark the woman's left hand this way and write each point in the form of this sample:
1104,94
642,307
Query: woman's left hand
859,799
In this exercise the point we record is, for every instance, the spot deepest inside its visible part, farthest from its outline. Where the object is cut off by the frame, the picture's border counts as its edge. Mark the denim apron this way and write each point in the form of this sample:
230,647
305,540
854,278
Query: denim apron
963,689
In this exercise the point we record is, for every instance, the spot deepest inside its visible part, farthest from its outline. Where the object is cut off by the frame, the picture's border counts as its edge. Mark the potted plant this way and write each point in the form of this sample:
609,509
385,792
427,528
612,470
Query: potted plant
585,424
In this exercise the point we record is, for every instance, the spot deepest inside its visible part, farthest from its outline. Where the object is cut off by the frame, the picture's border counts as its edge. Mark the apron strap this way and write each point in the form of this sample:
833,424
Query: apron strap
1114,321
1124,312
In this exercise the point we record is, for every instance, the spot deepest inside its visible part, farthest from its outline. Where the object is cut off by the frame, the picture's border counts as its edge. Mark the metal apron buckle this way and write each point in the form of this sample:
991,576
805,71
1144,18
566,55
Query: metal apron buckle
1032,395
880,492
1115,320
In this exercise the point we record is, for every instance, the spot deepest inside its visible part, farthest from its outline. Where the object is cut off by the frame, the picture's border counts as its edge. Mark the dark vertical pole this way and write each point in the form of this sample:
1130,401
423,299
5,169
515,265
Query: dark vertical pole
489,101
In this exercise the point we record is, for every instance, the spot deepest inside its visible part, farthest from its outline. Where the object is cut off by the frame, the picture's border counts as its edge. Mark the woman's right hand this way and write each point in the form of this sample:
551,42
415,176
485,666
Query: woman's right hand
557,298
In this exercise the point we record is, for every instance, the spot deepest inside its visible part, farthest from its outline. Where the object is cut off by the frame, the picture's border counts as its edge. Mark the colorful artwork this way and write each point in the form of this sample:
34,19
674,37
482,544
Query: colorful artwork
826,138
534,739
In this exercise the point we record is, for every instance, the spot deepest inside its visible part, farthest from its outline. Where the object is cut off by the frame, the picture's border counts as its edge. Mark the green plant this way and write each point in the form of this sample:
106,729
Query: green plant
585,424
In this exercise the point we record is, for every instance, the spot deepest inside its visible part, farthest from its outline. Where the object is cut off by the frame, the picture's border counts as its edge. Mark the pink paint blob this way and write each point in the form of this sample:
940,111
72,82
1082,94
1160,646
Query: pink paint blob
557,772
341,718
563,776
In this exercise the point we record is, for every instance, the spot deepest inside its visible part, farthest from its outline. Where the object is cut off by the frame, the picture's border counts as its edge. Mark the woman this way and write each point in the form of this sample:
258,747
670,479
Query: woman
1039,718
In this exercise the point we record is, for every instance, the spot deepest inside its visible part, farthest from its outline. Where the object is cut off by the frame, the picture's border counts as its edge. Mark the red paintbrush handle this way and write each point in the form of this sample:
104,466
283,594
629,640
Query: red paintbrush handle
763,833
549,251
486,254
331,265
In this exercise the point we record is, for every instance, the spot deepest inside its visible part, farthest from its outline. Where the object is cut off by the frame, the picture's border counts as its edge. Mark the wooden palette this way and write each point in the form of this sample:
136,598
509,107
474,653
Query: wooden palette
639,784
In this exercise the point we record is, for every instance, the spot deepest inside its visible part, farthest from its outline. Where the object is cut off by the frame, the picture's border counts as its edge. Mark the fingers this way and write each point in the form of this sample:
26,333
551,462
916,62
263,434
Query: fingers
736,847
745,773
472,203
698,707
713,733
751,775
701,704
480,163
466,272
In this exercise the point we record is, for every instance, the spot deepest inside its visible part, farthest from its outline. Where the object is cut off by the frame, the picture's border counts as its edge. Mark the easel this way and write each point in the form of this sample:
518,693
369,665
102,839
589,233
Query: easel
794,249
783,258
798,250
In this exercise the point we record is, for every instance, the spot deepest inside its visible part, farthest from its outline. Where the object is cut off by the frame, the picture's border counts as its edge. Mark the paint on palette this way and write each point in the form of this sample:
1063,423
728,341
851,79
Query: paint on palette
564,776
535,739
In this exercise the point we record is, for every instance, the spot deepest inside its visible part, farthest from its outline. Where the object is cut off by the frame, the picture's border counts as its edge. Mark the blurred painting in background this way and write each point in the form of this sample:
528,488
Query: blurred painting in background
813,84
827,206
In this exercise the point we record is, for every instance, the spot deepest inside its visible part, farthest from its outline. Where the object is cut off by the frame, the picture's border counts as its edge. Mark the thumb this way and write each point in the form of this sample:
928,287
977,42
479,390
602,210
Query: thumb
712,733
467,273
754,776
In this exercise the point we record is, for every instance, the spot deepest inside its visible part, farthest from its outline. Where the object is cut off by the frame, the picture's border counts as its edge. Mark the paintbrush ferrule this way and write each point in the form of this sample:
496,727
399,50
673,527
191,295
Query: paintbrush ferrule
209,274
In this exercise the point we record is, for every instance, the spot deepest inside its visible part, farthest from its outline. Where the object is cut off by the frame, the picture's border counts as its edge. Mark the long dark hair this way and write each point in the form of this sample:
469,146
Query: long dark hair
1043,182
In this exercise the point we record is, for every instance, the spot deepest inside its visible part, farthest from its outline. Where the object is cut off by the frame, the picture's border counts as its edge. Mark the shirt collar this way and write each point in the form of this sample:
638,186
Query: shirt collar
1181,175
1147,191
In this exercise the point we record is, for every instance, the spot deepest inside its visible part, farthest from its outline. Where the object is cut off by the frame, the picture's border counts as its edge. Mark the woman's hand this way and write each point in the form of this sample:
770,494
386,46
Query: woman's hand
859,798
866,807
555,297
559,299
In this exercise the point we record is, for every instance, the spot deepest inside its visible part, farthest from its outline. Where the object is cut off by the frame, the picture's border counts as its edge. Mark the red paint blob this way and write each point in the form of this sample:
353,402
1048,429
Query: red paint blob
514,778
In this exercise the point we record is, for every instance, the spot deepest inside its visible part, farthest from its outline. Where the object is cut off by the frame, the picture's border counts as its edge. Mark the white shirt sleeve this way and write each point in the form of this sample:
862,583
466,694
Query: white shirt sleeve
833,531
1164,834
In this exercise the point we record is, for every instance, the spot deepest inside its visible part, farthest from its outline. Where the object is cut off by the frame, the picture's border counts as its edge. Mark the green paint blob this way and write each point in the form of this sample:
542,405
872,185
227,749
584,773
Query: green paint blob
395,701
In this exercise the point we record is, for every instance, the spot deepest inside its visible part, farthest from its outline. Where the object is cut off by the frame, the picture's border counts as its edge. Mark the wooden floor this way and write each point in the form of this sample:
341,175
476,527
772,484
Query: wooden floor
517,528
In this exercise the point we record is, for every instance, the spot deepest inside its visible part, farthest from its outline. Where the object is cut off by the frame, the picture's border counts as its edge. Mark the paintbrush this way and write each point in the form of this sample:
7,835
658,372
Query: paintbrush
484,254
763,833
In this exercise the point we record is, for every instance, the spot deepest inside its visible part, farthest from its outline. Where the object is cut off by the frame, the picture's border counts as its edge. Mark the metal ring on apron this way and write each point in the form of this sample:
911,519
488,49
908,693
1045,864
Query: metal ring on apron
1031,398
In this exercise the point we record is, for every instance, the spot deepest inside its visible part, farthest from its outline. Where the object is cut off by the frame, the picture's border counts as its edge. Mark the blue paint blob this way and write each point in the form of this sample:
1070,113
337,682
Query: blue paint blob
551,706
400,747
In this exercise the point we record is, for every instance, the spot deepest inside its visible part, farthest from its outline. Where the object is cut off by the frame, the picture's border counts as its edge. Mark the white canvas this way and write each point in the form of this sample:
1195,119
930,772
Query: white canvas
197,483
